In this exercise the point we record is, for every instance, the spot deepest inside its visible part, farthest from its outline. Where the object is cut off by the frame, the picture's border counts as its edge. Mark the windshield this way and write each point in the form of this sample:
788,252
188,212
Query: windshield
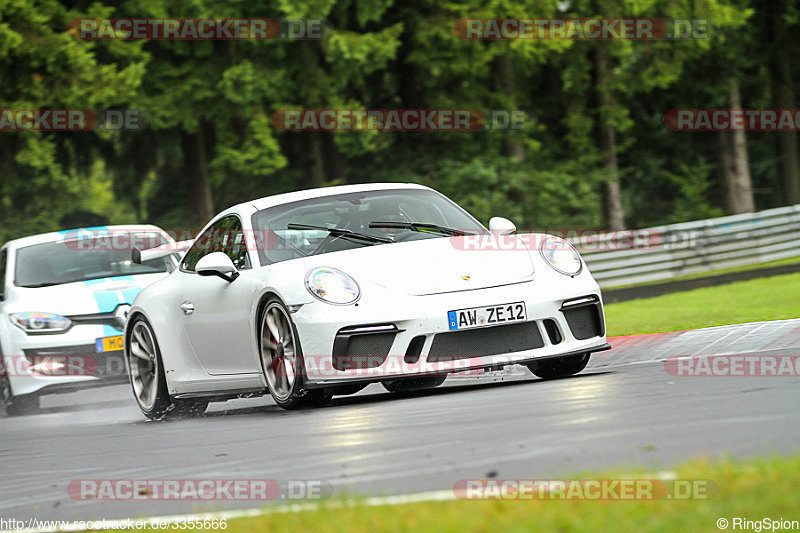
355,212
54,263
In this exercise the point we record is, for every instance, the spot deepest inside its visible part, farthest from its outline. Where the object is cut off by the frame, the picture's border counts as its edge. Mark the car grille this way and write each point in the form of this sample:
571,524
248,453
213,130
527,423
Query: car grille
480,342
364,351
106,319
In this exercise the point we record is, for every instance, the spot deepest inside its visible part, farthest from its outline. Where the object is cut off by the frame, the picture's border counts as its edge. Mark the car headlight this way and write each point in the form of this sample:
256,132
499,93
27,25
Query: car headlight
332,286
36,322
561,255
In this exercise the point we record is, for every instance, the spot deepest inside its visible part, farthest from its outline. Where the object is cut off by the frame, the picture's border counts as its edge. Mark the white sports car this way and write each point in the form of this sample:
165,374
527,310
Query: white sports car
320,292
64,298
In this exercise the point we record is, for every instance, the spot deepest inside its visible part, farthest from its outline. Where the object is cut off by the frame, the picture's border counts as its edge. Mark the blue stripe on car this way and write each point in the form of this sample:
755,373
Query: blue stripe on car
129,295
95,229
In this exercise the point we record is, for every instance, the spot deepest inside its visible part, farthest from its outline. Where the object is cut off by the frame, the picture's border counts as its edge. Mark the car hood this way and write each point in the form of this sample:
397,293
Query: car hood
83,297
432,266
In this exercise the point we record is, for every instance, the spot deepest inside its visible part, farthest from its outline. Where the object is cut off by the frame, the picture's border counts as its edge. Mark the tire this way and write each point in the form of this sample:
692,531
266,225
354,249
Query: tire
5,382
26,404
561,367
412,384
282,360
148,382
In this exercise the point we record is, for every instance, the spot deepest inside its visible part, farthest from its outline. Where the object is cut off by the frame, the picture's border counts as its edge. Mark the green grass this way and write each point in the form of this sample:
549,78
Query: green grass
752,489
772,298
698,275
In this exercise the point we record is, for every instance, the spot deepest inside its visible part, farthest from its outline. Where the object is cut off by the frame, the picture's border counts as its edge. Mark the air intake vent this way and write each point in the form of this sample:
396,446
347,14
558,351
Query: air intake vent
363,347
553,333
480,342
414,349
584,317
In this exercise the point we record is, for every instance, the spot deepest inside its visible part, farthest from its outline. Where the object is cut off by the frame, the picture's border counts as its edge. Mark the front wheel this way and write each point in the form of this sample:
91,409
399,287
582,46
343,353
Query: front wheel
149,384
282,361
22,405
560,367
26,404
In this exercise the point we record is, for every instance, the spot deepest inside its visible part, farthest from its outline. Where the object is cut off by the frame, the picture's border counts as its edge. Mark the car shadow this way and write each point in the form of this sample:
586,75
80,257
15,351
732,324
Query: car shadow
448,388
451,386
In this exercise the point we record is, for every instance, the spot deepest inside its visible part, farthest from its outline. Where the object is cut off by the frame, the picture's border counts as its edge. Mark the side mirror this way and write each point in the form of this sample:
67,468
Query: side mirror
217,264
501,226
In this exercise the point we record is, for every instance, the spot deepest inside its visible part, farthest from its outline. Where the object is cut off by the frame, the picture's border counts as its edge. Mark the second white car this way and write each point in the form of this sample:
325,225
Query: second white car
64,299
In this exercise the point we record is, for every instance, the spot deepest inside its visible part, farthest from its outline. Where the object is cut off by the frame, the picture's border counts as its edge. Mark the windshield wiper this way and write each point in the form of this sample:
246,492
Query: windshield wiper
342,232
420,227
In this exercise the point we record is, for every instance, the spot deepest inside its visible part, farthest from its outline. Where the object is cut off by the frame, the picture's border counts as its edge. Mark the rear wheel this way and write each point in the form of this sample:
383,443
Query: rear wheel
412,384
560,367
282,361
147,377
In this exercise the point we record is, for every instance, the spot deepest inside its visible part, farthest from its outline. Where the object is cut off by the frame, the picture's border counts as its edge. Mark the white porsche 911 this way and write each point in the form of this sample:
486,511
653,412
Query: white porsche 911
315,293
64,297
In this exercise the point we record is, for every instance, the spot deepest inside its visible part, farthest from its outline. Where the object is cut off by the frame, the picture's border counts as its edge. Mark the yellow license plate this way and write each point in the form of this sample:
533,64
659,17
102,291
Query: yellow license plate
110,344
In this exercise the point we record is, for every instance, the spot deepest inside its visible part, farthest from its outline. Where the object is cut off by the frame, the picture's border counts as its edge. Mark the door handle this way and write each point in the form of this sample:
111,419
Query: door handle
187,308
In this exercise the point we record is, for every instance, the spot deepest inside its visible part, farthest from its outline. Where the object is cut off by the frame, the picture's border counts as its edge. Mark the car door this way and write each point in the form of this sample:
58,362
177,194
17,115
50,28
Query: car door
215,312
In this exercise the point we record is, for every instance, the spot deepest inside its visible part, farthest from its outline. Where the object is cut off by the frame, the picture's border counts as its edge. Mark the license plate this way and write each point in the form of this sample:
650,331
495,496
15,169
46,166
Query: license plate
477,317
110,344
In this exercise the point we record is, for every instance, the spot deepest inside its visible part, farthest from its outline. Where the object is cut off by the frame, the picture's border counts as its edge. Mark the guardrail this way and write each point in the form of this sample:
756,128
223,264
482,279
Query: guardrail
663,252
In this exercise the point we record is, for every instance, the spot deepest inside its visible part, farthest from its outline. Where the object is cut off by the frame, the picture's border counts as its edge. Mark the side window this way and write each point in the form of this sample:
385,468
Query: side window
2,271
232,242
225,236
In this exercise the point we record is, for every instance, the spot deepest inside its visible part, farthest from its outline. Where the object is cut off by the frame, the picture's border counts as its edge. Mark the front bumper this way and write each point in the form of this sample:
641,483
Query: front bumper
65,362
412,336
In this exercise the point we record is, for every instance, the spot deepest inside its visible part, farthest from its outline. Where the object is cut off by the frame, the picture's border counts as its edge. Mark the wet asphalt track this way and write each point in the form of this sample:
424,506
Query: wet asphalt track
625,409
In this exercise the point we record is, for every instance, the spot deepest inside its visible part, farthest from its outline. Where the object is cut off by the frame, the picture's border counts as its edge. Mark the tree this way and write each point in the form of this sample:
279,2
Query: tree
45,174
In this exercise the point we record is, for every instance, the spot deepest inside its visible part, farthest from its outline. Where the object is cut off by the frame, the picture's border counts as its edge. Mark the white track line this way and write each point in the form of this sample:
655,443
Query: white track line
374,501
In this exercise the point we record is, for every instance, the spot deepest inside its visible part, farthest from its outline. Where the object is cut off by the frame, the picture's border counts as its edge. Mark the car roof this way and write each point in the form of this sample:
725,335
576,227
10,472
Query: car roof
289,197
60,236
